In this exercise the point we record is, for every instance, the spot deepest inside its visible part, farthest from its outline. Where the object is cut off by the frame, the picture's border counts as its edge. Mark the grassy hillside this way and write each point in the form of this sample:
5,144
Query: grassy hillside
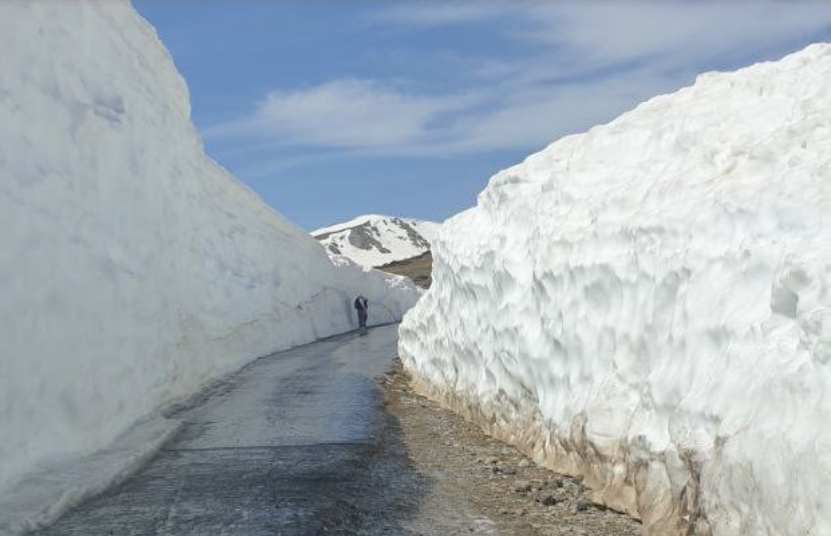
417,268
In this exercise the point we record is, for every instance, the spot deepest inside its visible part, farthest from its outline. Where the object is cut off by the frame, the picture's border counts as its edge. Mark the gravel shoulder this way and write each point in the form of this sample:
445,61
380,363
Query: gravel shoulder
494,487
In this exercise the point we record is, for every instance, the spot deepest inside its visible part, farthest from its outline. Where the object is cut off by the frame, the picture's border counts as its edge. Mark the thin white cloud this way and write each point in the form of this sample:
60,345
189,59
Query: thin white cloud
593,60
347,113
536,116
420,13
610,32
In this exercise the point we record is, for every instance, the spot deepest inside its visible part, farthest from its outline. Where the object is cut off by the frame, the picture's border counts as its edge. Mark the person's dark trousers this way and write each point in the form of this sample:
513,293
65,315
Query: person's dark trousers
362,318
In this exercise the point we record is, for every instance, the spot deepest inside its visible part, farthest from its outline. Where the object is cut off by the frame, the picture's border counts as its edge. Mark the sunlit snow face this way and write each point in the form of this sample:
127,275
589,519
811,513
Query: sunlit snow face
645,304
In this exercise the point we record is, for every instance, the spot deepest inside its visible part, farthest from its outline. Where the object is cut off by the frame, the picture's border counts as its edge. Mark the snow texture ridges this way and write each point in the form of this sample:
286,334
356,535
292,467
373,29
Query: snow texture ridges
133,268
648,304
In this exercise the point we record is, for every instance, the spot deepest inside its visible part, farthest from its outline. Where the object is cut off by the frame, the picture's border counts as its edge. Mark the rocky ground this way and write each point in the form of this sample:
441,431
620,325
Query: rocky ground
500,490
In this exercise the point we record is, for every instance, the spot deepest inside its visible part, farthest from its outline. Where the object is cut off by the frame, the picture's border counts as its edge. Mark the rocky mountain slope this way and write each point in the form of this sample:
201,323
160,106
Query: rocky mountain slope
374,240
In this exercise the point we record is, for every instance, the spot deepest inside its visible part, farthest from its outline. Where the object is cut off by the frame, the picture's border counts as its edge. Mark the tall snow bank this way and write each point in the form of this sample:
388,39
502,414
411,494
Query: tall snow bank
648,304
133,269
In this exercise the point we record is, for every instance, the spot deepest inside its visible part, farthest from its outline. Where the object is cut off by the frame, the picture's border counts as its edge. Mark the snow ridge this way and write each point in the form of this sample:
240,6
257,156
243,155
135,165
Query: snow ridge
374,240
648,304
133,268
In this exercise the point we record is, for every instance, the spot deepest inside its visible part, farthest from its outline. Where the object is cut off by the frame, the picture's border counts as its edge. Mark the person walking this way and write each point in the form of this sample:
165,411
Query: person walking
362,306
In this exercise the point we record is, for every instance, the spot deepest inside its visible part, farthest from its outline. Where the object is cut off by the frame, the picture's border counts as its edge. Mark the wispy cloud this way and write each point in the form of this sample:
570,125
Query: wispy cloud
612,32
588,62
439,14
348,113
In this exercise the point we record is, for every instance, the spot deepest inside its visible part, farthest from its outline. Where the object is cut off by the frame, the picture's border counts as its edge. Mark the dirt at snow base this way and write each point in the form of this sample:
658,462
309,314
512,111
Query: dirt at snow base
492,488
419,269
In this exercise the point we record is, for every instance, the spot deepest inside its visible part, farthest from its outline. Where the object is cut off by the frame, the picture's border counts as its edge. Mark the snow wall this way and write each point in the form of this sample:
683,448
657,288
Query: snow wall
133,268
648,304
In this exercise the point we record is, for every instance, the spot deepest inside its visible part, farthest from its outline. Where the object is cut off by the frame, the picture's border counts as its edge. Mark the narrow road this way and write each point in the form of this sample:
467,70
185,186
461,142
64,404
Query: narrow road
294,444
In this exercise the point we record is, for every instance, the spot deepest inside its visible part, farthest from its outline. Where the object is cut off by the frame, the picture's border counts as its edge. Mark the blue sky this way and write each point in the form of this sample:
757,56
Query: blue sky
330,109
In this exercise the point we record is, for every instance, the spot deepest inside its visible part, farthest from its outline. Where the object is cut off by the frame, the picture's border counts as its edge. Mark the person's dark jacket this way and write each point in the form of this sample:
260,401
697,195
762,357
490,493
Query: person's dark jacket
361,303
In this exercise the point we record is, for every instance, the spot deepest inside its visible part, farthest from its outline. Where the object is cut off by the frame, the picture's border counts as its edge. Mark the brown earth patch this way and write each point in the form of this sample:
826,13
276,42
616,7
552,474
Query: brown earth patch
418,269
489,483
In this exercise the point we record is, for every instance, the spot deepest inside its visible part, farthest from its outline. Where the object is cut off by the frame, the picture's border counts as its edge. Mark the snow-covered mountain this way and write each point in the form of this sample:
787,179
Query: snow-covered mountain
374,240
648,305
133,268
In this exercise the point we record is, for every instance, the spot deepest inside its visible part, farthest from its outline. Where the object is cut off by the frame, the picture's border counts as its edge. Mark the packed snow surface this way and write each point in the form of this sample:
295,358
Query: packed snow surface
133,268
649,304
375,240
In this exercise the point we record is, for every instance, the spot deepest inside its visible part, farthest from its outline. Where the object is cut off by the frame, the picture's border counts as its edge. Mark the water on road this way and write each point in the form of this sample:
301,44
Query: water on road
294,444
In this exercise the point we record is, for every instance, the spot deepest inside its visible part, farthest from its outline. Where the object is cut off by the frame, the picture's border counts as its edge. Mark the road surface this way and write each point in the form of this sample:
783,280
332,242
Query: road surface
294,444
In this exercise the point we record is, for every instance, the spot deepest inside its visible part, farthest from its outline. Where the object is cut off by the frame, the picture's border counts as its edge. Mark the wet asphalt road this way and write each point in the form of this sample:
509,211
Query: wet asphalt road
294,444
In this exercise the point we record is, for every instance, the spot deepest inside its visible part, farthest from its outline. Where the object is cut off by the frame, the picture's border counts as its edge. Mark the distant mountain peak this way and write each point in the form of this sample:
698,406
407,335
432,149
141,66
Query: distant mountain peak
374,240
